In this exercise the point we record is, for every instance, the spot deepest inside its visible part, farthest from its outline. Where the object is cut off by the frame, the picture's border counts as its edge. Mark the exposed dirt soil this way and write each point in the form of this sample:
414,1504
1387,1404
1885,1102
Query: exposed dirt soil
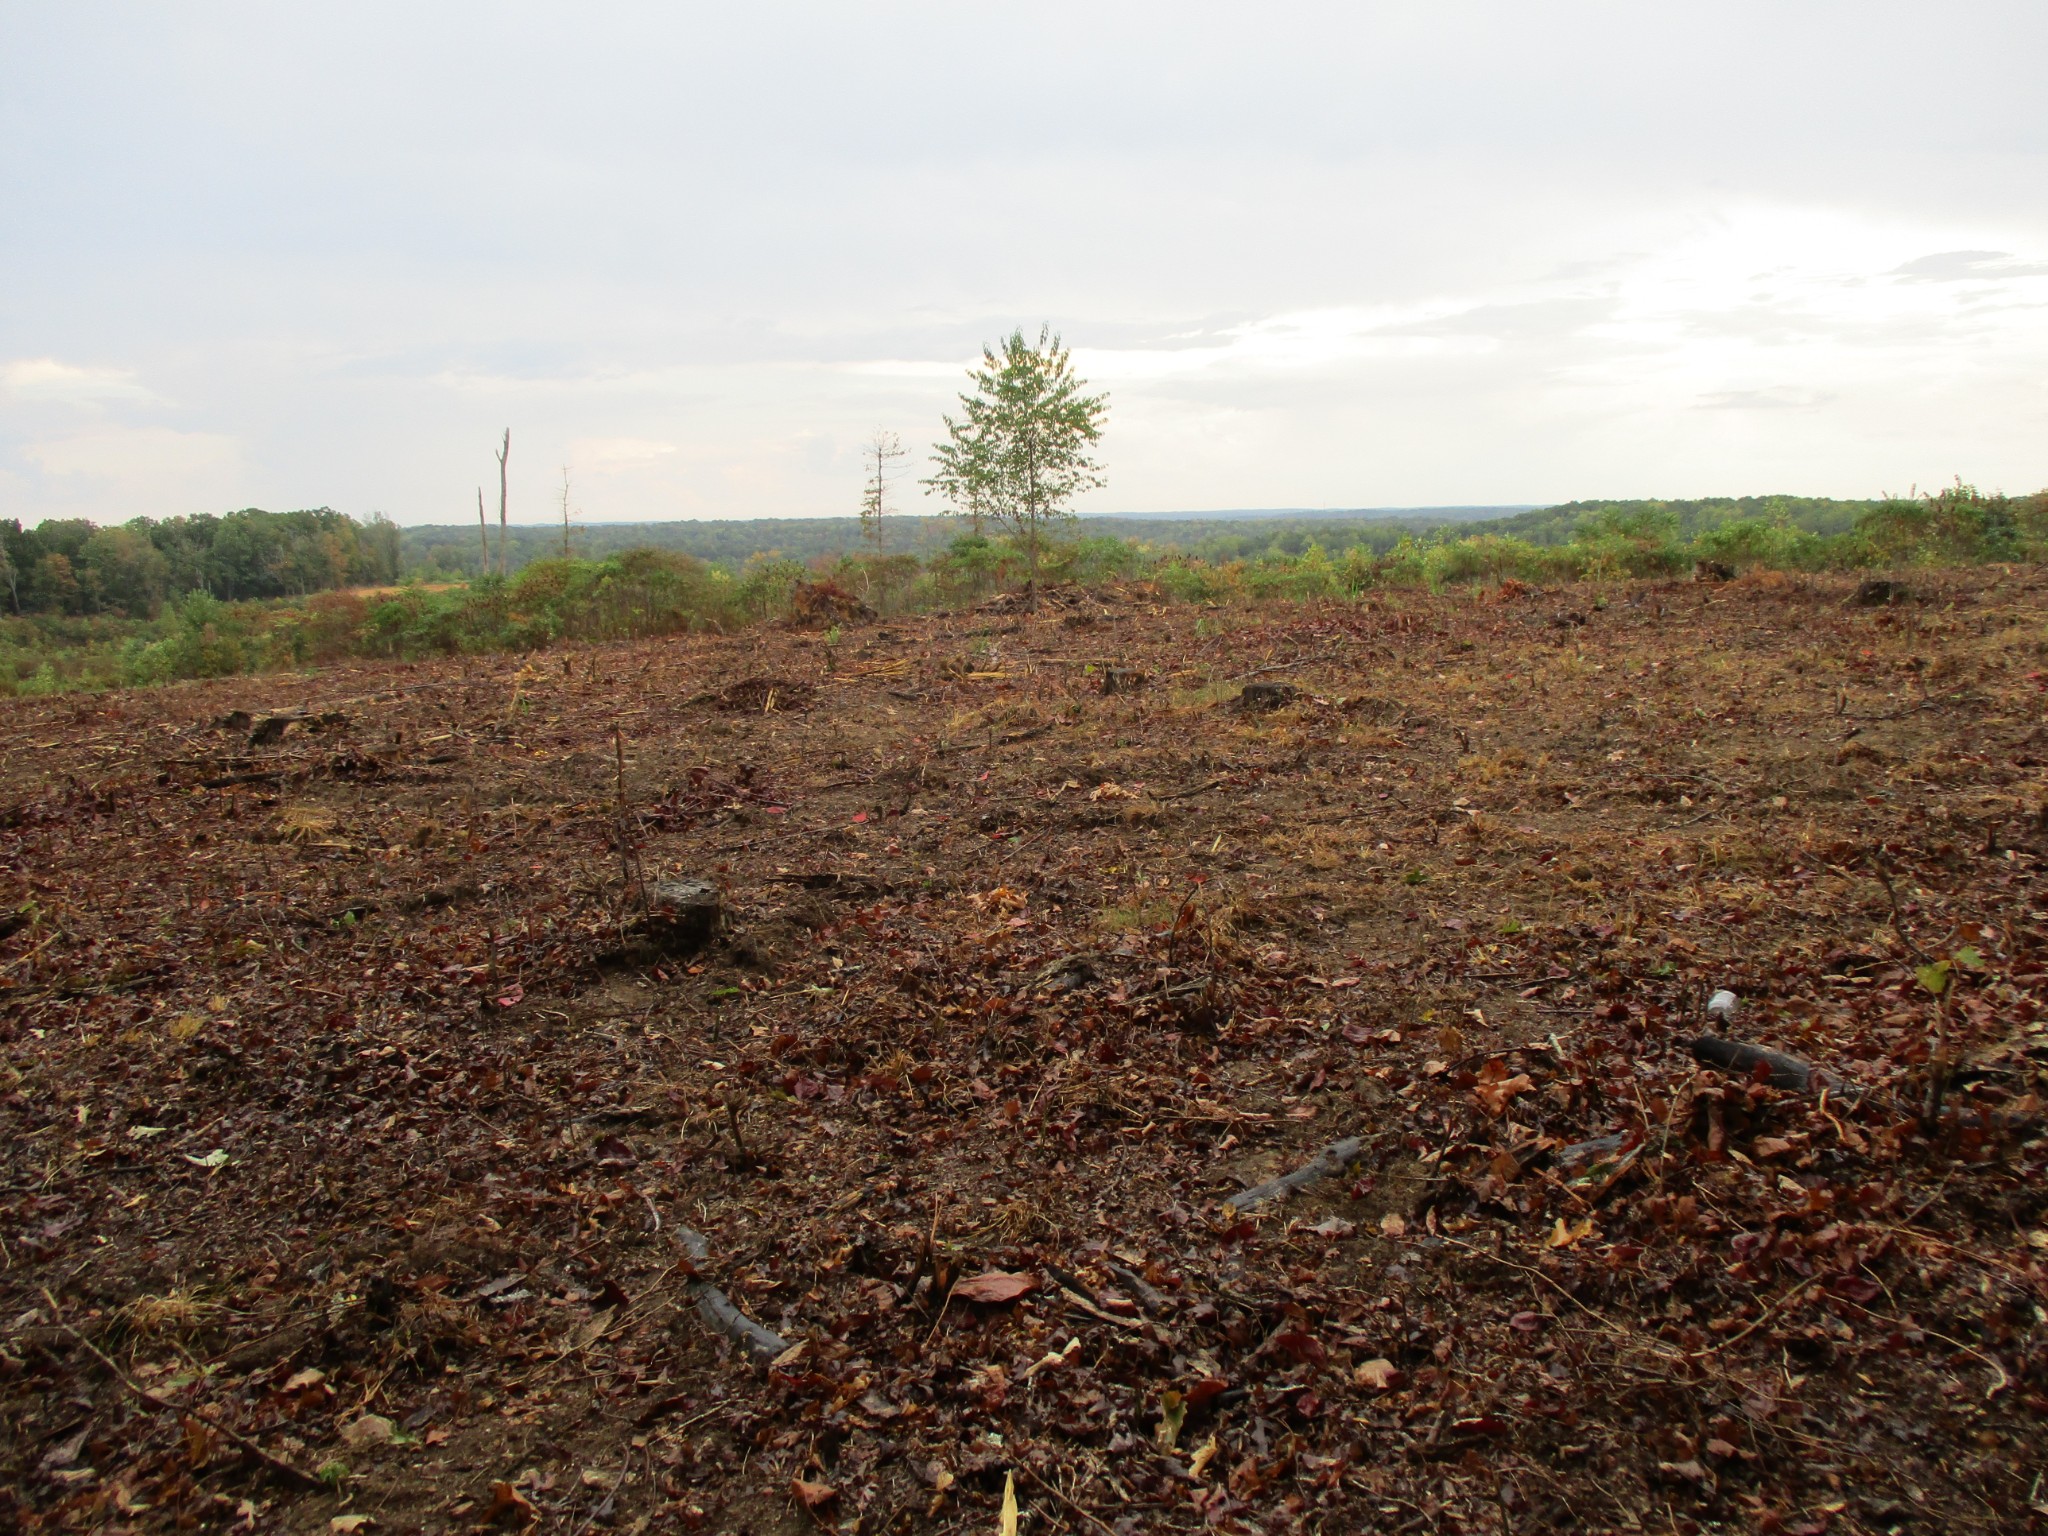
352,1114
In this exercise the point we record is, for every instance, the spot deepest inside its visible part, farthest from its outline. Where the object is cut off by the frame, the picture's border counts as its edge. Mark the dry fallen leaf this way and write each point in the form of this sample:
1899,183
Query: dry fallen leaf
1377,1375
1495,1096
371,1429
506,1499
1007,1526
1562,1236
995,1286
813,1495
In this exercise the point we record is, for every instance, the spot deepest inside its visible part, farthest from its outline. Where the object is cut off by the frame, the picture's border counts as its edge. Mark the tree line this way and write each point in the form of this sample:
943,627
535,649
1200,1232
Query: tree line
1010,464
72,566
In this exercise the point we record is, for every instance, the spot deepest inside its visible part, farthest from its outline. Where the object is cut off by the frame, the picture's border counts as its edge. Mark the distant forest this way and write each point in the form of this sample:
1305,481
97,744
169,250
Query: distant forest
73,567
69,565
453,552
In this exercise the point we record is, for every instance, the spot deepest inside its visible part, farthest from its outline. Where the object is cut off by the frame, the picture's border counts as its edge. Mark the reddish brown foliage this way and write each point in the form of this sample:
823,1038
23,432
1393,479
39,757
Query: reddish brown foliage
340,1093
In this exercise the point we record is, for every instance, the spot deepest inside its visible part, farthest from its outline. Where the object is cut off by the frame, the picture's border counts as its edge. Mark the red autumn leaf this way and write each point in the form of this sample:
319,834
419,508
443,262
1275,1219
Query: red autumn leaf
1303,1346
994,1287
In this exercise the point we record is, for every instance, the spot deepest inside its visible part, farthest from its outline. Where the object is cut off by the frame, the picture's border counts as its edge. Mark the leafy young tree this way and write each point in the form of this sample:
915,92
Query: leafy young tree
881,457
1019,453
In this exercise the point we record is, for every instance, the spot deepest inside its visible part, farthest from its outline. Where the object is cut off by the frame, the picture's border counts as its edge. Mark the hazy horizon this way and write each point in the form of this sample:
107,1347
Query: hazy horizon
1320,256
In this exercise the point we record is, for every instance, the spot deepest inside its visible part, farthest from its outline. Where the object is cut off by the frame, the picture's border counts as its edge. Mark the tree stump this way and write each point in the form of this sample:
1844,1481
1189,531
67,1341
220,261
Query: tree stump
1263,696
681,915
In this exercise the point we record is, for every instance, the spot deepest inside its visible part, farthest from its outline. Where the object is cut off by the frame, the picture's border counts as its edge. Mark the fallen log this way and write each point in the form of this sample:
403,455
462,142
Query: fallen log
1334,1158
717,1310
1739,1060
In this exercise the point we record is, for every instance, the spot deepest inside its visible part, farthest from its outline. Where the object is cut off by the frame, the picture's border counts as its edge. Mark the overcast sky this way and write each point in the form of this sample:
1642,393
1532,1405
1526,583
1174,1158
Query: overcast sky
1334,255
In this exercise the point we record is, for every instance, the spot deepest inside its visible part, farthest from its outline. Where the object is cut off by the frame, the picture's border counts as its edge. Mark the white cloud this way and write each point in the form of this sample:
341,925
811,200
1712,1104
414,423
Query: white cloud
114,473
609,453
1967,266
47,379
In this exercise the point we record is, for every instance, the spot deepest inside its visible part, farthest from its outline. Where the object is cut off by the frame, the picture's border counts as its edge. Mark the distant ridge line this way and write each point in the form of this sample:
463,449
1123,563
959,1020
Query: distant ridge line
1459,513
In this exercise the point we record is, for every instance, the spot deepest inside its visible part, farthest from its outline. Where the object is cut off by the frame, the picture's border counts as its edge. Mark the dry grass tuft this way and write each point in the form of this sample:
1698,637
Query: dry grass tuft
174,1315
304,823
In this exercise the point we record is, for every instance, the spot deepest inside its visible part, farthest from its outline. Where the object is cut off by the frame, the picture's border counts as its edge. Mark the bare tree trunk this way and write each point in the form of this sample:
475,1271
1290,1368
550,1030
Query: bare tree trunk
565,511
483,532
504,453
1031,509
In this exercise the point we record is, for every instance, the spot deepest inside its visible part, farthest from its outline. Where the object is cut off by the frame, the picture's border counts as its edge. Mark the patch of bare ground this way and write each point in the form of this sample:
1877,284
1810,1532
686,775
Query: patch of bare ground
357,1135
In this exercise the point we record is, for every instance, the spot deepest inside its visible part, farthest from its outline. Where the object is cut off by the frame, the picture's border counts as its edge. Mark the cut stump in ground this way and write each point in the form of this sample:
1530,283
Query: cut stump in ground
682,915
1258,697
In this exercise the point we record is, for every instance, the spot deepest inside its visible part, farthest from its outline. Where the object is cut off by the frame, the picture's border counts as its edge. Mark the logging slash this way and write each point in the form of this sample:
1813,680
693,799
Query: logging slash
717,1310
1334,1158
1739,1060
